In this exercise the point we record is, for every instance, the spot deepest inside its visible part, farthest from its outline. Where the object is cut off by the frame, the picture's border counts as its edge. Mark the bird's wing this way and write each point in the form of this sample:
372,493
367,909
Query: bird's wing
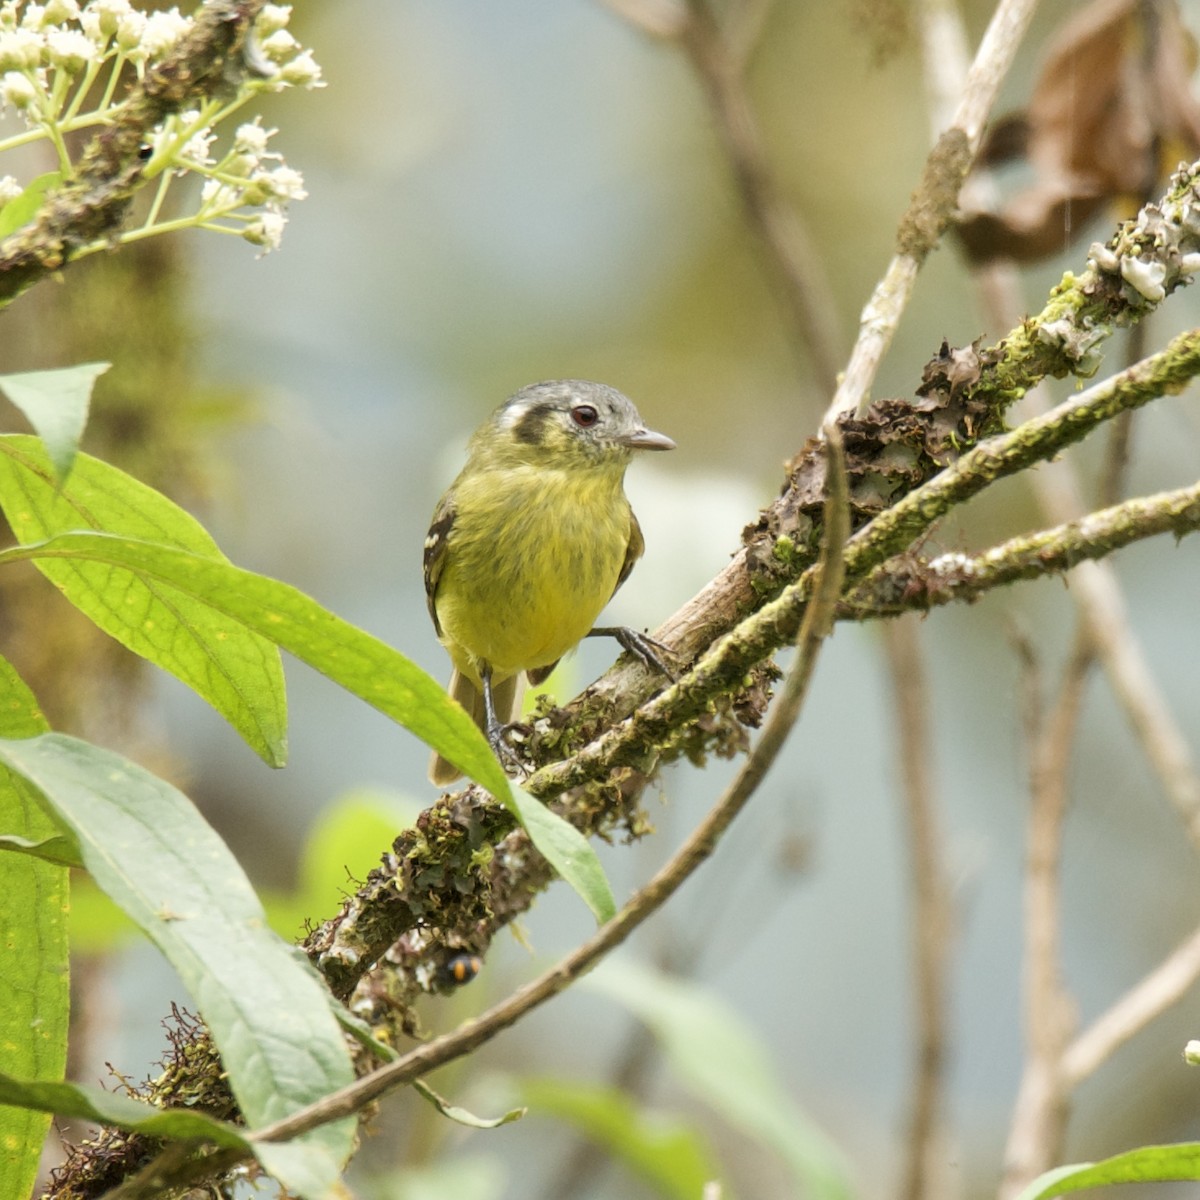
436,541
633,551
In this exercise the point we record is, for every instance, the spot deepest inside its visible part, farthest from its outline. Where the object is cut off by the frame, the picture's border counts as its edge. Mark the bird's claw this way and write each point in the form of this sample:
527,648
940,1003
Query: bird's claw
649,651
499,737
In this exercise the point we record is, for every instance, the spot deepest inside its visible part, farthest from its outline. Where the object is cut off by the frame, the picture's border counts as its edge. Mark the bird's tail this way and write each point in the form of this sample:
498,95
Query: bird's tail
507,698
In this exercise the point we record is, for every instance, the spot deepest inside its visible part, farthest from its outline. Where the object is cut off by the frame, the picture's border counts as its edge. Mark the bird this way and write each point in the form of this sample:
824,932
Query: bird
529,543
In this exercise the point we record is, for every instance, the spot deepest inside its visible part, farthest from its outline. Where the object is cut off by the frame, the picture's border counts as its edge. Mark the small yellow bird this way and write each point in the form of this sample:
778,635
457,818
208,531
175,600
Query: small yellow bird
529,544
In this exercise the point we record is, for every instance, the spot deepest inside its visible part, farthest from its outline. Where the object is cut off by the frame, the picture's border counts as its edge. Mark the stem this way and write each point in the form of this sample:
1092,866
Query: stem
932,915
1040,1115
110,88
160,195
85,85
922,226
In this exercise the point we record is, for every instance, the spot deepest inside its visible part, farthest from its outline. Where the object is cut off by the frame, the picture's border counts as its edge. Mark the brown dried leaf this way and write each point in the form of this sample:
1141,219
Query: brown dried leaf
1111,111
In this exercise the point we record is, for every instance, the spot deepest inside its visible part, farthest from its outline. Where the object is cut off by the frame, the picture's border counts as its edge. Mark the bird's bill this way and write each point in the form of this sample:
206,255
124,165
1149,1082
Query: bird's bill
647,439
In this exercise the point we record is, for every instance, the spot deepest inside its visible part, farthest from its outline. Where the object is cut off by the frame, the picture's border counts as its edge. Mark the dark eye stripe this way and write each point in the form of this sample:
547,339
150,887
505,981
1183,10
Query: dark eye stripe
530,427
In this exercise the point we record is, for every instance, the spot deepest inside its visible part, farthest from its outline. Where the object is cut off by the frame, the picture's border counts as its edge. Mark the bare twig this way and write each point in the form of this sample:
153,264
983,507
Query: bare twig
932,917
933,204
1166,985
1040,1114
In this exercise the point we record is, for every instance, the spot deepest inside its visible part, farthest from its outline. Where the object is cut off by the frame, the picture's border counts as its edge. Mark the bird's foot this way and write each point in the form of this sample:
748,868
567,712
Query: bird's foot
500,738
649,651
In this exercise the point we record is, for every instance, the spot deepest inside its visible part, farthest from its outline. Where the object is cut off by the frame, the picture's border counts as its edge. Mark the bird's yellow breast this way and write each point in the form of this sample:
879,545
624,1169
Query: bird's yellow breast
533,557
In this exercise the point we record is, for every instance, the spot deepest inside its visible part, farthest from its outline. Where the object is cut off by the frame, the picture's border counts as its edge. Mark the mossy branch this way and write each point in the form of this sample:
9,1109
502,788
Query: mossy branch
919,584
441,852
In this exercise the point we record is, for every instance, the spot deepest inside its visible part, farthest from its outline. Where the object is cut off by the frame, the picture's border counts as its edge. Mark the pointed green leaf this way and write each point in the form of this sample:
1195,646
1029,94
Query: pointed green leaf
567,851
34,984
149,848
23,208
56,403
1148,1164
301,1165
356,660
362,664
726,1066
460,1116
57,848
114,1108
235,670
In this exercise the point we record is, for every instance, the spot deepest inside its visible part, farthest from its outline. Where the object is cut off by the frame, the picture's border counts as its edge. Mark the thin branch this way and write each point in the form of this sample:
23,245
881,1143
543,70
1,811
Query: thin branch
1040,1114
697,848
1166,985
932,917
906,584
933,203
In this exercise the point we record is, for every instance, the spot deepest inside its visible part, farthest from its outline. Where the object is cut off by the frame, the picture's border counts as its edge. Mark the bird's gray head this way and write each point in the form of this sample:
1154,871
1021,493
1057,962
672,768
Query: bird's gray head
578,418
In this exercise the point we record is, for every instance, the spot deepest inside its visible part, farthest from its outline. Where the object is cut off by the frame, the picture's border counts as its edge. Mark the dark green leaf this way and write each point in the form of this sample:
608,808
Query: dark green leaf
56,403
147,846
236,671
34,991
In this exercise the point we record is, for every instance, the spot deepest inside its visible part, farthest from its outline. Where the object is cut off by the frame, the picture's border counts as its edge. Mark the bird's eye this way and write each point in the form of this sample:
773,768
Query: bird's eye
584,415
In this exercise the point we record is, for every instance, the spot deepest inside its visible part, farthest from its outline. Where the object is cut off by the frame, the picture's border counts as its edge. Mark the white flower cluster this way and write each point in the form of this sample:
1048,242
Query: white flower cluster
249,176
58,57
69,36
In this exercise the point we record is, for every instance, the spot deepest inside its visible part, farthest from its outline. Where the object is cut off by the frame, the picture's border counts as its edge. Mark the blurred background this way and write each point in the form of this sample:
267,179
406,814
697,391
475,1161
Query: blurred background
505,193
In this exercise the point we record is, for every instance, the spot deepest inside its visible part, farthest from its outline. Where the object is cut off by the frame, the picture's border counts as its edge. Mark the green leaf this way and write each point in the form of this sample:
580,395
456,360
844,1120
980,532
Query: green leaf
1148,1164
567,851
23,208
668,1153
149,848
724,1065
301,1165
356,660
34,984
57,848
461,1116
56,403
236,671
114,1108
